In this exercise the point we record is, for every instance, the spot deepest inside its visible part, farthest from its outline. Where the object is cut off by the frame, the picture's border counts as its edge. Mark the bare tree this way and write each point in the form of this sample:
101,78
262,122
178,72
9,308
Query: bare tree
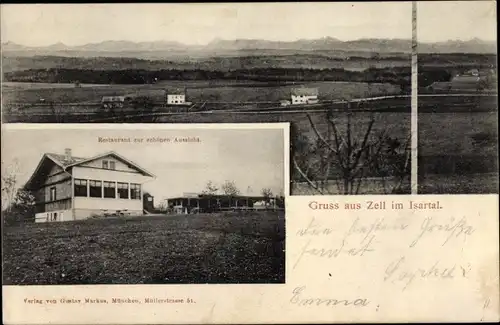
210,188
267,193
230,188
9,184
349,160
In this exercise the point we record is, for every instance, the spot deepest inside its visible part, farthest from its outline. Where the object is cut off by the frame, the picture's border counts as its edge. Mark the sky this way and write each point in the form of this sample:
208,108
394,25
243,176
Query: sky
451,20
250,157
190,23
199,23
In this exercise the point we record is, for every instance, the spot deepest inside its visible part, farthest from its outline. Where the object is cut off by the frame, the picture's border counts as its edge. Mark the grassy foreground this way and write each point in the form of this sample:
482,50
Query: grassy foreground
233,247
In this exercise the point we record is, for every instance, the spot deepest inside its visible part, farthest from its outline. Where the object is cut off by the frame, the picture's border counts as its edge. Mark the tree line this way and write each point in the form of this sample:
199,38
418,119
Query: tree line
394,75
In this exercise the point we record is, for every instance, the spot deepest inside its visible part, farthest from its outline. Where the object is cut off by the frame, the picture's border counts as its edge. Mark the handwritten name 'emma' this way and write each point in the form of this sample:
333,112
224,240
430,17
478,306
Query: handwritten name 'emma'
300,299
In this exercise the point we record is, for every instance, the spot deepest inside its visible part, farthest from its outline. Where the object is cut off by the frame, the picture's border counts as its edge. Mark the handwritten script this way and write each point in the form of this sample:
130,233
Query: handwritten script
364,236
300,298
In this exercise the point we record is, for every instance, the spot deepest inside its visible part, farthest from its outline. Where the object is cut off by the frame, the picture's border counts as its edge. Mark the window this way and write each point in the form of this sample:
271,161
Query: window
81,187
110,190
135,191
108,164
55,216
123,190
53,193
95,188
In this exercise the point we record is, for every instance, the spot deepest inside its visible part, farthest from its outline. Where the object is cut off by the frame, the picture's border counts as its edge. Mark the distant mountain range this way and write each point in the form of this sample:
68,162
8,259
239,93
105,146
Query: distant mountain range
166,49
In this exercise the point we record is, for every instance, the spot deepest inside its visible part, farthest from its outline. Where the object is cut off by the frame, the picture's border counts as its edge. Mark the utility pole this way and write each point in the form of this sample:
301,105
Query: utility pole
414,101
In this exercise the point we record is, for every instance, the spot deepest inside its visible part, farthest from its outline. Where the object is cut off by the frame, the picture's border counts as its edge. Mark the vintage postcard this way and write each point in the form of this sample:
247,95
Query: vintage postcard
222,163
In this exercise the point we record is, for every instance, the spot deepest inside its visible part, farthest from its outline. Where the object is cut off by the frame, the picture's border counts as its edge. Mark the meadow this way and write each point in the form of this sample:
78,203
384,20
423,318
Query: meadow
442,130
232,247
196,91
456,132
457,149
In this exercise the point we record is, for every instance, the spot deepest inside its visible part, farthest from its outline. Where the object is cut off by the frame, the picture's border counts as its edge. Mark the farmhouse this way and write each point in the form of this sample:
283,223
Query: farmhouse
74,188
176,97
301,96
465,82
470,81
113,99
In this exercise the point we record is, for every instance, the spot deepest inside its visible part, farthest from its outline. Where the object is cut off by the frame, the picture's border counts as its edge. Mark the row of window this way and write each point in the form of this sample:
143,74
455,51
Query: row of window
110,190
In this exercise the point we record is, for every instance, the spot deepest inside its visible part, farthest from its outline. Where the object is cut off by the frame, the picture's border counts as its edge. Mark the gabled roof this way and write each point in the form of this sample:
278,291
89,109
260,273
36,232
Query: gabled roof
119,157
61,159
65,163
302,91
466,78
42,165
113,99
175,91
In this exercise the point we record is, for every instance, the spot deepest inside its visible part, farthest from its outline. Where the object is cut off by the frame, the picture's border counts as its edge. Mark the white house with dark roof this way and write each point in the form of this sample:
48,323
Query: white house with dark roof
73,188
176,97
302,96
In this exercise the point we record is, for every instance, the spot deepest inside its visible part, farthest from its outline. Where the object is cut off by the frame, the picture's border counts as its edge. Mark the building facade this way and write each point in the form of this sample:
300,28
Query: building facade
207,203
115,101
304,96
176,99
73,188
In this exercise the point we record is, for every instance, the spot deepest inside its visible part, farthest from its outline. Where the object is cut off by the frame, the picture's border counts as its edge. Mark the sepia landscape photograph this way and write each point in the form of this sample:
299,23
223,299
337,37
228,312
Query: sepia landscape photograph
457,98
342,79
90,205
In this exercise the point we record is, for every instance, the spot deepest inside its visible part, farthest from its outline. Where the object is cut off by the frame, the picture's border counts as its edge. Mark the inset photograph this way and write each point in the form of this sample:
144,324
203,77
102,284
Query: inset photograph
86,204
457,97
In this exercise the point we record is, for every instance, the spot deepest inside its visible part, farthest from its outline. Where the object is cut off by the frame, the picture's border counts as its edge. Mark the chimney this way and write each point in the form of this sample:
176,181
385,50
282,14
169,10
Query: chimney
67,154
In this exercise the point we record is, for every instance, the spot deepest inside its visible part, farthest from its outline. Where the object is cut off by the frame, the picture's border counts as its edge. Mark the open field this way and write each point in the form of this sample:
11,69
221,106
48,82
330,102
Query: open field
455,133
484,183
458,153
233,247
449,132
427,184
196,91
